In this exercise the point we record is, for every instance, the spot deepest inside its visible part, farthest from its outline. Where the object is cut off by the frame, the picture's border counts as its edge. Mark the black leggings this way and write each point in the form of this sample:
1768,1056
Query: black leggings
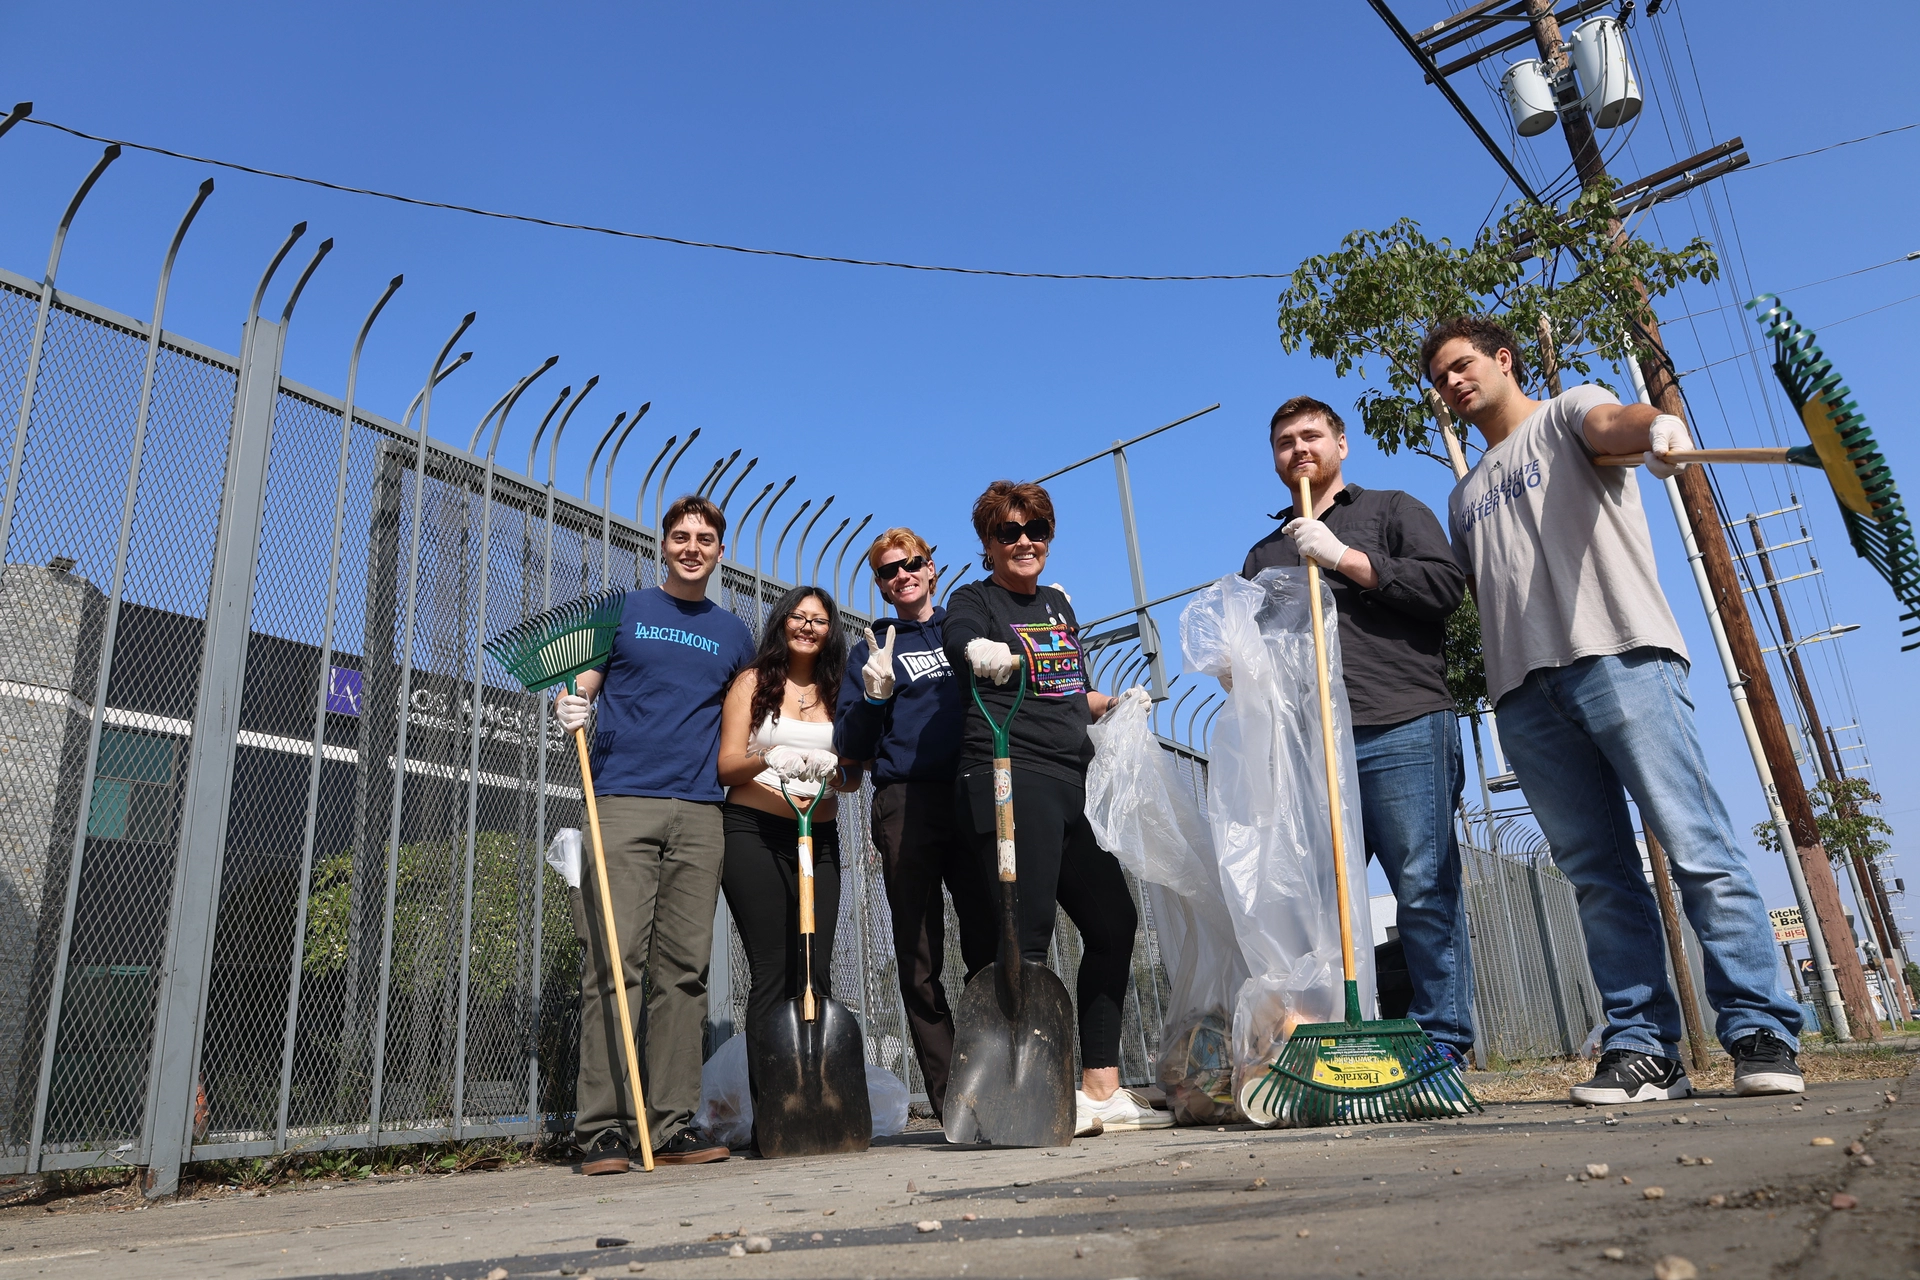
761,878
1059,861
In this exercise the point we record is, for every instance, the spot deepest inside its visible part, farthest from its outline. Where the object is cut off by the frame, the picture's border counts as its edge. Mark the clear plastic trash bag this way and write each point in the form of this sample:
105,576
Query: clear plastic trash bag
726,1103
563,855
1267,806
1147,816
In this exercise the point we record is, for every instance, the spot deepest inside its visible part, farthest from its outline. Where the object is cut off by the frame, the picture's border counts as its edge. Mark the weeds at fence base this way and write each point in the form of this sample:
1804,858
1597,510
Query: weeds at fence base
1548,1080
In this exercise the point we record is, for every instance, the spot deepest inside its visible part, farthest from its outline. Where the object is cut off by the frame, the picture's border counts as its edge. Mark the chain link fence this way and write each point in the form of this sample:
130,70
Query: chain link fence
271,822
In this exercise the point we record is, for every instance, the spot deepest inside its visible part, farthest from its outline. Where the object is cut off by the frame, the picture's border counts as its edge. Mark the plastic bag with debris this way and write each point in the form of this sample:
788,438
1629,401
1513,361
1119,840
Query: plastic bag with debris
1267,806
1143,812
563,855
726,1102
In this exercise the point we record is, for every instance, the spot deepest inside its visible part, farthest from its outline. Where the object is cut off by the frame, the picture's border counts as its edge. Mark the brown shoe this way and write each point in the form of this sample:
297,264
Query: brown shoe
607,1153
690,1146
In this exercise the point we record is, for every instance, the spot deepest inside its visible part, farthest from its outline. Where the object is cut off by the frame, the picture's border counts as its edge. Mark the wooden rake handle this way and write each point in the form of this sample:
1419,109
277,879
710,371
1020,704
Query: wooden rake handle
1775,456
615,958
1327,744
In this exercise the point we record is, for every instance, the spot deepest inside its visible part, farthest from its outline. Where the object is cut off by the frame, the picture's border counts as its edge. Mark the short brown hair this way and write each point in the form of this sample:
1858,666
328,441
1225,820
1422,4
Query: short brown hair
898,538
1002,498
1300,407
694,504
1487,335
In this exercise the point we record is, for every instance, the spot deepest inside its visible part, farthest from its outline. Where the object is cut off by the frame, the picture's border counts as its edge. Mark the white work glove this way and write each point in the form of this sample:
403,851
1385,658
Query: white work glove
877,675
991,659
571,710
1130,699
1316,542
1668,434
800,764
1062,590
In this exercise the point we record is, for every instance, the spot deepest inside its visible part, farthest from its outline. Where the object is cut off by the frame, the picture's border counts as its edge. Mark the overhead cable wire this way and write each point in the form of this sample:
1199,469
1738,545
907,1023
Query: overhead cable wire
534,220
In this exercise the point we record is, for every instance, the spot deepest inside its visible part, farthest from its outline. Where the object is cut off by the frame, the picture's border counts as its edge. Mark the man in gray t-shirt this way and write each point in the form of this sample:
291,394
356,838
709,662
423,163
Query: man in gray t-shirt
1588,675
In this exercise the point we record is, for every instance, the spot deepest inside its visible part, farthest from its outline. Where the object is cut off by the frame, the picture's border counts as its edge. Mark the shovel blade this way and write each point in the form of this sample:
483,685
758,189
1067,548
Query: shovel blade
810,1082
1011,1082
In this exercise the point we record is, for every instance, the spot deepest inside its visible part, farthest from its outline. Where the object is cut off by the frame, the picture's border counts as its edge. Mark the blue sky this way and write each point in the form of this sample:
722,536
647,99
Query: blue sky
1128,138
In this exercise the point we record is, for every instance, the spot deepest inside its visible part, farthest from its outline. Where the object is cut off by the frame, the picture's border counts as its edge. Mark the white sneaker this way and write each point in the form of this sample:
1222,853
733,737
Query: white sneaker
1123,1111
1086,1119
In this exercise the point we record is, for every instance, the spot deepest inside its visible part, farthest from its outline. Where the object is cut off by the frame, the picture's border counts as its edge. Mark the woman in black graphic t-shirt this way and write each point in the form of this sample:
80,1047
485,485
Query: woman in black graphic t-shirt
992,627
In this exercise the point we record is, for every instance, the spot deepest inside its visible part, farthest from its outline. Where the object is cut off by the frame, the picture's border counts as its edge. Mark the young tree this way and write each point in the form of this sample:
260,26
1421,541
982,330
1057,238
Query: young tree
1846,829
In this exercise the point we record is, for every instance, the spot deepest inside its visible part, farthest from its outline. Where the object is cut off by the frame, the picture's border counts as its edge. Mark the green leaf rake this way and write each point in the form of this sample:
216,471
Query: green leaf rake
1842,447
554,648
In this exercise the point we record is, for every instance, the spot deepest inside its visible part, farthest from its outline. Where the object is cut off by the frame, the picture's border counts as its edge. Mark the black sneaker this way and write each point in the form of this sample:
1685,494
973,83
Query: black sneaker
1628,1075
690,1146
1762,1063
606,1153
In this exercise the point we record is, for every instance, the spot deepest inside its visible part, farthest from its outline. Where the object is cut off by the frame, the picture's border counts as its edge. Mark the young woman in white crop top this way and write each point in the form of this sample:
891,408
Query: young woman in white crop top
785,698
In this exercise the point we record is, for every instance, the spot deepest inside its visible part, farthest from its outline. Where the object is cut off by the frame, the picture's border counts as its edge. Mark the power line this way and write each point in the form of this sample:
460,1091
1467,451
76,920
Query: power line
640,235
1868,137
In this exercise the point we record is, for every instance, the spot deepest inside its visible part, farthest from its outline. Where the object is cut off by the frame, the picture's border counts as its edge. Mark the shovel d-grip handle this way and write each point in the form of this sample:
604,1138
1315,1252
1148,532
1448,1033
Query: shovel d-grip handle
804,856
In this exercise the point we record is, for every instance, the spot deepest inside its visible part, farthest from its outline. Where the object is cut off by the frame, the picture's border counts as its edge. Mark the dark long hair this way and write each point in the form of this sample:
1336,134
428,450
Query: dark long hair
770,663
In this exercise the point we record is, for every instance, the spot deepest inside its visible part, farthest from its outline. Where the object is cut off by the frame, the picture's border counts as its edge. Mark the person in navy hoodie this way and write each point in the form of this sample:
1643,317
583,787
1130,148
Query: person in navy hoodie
656,748
900,709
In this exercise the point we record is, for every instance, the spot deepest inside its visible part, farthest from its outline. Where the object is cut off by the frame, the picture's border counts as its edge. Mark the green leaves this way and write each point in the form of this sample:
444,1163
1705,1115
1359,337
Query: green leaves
1845,830
1367,306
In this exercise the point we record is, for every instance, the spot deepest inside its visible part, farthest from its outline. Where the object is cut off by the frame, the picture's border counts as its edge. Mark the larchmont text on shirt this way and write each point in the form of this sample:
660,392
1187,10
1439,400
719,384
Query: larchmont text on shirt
1504,487
674,635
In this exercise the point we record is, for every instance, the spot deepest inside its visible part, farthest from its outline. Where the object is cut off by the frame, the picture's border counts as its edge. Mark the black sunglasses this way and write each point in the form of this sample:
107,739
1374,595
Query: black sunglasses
886,571
1036,530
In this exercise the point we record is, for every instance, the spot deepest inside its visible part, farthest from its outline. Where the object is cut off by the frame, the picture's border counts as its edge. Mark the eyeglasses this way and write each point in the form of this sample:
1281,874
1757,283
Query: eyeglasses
805,623
1036,530
886,571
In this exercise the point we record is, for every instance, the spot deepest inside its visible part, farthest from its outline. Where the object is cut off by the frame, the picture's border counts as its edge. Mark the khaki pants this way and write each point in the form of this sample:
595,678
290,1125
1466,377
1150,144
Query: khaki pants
663,867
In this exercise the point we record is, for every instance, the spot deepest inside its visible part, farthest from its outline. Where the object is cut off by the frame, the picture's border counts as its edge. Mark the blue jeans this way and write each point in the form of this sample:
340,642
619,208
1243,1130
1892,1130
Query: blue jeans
1582,738
1410,780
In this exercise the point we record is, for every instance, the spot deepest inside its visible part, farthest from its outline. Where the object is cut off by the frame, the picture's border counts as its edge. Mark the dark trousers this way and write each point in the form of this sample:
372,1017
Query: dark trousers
1060,861
921,847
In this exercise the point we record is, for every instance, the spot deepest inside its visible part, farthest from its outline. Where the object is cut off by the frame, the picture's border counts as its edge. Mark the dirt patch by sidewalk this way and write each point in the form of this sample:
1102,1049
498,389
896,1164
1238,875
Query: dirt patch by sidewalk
1549,1081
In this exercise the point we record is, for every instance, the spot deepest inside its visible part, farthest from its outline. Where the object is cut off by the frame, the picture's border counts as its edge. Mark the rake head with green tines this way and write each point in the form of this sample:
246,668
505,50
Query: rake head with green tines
1876,519
1356,1072
553,647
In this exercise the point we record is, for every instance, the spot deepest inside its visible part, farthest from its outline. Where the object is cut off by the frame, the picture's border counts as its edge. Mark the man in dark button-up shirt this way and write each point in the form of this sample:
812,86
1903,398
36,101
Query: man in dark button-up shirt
1394,583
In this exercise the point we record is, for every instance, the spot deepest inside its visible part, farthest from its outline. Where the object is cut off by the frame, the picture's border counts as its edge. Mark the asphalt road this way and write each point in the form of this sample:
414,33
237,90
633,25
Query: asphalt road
1485,1197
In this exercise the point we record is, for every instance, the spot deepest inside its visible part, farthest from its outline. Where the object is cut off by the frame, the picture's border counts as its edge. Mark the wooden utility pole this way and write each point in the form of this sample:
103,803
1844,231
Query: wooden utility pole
1829,767
1663,391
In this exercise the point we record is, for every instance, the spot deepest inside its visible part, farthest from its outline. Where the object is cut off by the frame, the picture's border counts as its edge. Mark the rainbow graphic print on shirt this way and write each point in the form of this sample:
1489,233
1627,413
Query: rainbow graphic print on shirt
1054,666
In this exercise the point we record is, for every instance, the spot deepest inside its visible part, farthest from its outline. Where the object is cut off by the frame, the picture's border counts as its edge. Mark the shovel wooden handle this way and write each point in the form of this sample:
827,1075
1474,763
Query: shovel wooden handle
1004,847
1327,744
805,853
616,962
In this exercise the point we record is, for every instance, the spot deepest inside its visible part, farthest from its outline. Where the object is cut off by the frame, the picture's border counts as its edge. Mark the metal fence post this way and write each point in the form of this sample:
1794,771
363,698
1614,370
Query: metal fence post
1550,959
50,1033
181,1013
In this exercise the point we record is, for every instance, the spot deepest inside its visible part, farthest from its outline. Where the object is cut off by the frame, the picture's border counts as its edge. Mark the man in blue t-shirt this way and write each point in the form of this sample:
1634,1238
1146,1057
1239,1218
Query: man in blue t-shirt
656,746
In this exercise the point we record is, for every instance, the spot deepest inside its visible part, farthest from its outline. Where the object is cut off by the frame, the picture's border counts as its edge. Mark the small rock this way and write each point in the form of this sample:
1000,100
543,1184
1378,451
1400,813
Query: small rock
1841,1200
927,1224
1256,1184
1303,1233
1866,1161
1596,1171
687,1222
1613,1253
1821,1142
1113,1199
816,1237
738,1251
636,1267
759,1244
610,1242
969,1217
1680,1120
1625,1181
1078,1190
498,1273
1833,1110
1675,1267
1458,1169
1856,1148
1581,1178
913,1188
1716,1201
1160,1161
1653,1193
1019,1199
1184,1164
1891,1096
1082,1252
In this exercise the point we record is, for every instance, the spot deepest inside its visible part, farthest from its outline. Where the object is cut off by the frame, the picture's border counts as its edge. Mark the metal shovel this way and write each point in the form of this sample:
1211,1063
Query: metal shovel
1011,1083
808,1058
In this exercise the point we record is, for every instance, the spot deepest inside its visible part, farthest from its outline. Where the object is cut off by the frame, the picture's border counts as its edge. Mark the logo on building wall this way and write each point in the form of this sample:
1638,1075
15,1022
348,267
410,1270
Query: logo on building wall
343,691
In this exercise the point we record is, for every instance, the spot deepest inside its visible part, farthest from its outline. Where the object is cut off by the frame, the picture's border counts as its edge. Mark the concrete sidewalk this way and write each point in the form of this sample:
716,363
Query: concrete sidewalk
1737,1186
